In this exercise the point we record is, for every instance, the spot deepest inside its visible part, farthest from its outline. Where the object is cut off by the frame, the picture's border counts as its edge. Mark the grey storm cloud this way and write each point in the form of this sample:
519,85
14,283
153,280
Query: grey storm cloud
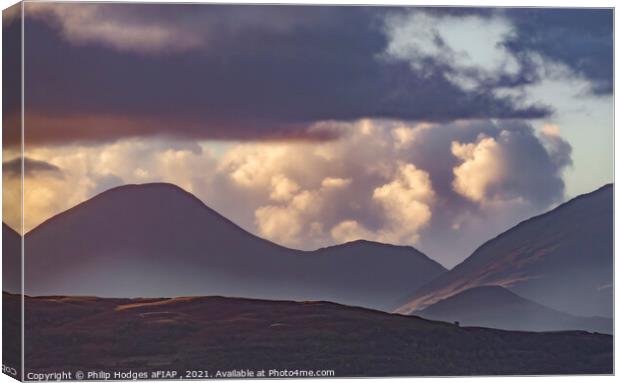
580,38
99,72
240,72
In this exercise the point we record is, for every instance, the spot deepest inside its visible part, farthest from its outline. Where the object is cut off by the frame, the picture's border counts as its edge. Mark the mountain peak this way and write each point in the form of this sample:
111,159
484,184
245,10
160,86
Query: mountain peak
157,239
364,243
135,202
149,186
378,249
537,258
155,189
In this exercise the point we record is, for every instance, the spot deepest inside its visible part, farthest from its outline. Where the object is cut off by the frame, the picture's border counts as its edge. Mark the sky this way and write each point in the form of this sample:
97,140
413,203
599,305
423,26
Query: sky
310,126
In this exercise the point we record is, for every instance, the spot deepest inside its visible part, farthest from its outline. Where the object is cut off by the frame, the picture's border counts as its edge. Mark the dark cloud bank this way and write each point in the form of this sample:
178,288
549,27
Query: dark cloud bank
254,72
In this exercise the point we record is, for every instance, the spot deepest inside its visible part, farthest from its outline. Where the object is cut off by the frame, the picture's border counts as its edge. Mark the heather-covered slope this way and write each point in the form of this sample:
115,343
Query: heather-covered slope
215,333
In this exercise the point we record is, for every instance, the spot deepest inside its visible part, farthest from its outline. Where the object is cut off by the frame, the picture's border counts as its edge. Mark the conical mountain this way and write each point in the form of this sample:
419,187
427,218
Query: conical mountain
158,240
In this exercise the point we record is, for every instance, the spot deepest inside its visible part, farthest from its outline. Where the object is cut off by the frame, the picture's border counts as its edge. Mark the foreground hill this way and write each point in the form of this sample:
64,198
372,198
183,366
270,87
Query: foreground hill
215,333
562,259
158,240
498,307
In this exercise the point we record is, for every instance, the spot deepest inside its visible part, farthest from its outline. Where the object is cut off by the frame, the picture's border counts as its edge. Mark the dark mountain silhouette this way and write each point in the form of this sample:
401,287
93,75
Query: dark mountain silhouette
498,307
562,259
11,260
158,240
215,333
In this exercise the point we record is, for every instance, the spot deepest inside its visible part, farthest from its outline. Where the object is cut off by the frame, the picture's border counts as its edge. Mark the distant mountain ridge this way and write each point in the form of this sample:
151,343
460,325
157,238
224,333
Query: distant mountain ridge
158,240
562,259
498,307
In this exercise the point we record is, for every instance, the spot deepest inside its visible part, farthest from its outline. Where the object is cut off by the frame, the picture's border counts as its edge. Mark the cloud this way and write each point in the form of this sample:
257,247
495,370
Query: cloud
512,165
94,23
46,129
364,185
479,169
285,224
406,202
350,230
306,216
580,39
163,28
558,148
13,168
283,189
404,135
231,72
473,45
470,47
332,182
504,48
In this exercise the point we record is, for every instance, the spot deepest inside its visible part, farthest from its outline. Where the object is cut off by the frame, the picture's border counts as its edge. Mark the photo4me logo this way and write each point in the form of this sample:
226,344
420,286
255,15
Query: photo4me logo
9,370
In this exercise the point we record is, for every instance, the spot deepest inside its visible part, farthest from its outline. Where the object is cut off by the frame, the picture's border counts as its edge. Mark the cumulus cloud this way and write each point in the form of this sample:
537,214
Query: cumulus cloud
558,148
512,165
403,207
405,135
283,189
332,182
406,201
350,230
287,223
466,181
480,168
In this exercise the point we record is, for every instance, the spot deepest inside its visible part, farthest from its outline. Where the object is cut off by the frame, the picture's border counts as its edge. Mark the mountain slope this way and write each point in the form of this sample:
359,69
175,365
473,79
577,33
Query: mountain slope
214,333
158,240
11,260
497,307
562,259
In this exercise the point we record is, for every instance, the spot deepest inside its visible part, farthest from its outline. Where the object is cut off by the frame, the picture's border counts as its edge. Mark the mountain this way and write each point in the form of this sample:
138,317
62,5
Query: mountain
158,240
498,307
562,259
11,260
225,334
